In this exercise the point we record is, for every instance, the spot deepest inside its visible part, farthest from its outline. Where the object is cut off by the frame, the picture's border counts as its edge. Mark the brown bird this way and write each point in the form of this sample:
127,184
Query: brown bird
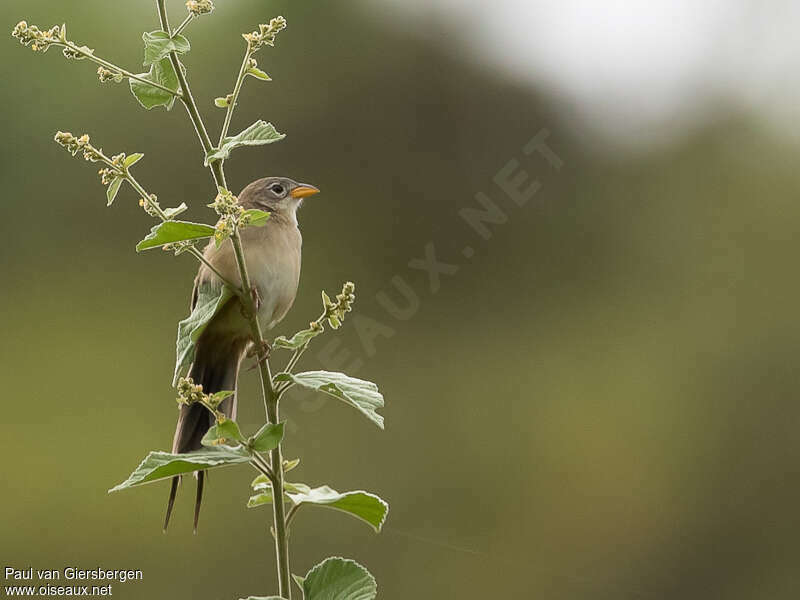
272,254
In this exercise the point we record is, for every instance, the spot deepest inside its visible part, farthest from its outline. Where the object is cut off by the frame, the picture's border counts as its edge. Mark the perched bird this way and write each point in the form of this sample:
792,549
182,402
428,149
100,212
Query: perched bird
272,254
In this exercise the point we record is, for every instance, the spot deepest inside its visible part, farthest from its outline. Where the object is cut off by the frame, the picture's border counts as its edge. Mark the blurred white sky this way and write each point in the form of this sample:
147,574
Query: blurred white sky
636,71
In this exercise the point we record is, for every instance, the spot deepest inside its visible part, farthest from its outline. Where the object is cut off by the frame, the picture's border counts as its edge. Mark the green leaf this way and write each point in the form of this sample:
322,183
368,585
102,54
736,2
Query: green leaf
296,488
174,231
256,217
288,465
258,74
148,96
221,102
112,190
263,598
161,465
218,397
339,579
158,45
258,134
174,212
361,395
299,339
263,486
210,300
222,434
132,159
259,483
264,497
267,438
364,506
262,482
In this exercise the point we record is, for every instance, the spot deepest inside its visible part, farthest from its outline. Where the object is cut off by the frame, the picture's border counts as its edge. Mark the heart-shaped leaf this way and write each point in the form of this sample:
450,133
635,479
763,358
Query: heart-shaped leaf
150,96
339,579
255,217
169,232
364,506
258,134
210,300
158,45
223,434
267,438
362,395
298,340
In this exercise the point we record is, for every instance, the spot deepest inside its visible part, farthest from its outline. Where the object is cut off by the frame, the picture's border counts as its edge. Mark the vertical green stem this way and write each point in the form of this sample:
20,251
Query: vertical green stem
268,389
271,406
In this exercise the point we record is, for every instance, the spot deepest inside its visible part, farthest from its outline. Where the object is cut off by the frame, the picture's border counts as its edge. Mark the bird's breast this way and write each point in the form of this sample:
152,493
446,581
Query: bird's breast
274,266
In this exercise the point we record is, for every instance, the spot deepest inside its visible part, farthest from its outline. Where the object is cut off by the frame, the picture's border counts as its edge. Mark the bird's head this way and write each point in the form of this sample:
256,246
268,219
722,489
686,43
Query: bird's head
279,195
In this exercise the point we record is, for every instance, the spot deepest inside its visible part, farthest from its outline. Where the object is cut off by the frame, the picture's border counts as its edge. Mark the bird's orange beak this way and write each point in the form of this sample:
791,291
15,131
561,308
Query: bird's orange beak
304,190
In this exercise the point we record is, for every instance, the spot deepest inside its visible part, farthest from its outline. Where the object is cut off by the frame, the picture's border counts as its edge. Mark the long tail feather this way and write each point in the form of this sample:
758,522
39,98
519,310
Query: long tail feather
199,498
216,368
172,493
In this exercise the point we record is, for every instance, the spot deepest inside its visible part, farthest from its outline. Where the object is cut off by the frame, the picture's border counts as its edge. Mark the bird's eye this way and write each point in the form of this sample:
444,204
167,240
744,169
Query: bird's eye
277,188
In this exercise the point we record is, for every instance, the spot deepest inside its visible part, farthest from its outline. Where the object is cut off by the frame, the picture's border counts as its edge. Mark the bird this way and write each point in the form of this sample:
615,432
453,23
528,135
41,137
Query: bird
273,256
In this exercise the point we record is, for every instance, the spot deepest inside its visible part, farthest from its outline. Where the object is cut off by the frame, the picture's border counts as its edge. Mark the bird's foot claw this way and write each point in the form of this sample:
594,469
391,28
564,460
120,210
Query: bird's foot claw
260,352
256,296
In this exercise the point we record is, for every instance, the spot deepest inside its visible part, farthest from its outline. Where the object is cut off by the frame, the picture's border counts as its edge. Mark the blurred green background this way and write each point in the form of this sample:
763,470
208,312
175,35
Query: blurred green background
600,403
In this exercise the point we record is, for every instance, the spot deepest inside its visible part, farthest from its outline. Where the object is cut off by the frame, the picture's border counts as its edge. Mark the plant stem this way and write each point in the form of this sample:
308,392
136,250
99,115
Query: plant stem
193,251
271,407
268,390
112,67
183,25
235,96
292,513
188,101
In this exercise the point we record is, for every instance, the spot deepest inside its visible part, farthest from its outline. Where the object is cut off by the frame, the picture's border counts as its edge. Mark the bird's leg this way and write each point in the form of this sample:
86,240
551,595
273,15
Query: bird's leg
255,296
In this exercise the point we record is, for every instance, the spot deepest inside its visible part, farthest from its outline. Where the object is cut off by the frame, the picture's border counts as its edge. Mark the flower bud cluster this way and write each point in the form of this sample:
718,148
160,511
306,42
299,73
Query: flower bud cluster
335,311
108,175
189,392
265,36
178,247
106,75
150,205
227,206
115,170
38,40
74,145
75,53
200,7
